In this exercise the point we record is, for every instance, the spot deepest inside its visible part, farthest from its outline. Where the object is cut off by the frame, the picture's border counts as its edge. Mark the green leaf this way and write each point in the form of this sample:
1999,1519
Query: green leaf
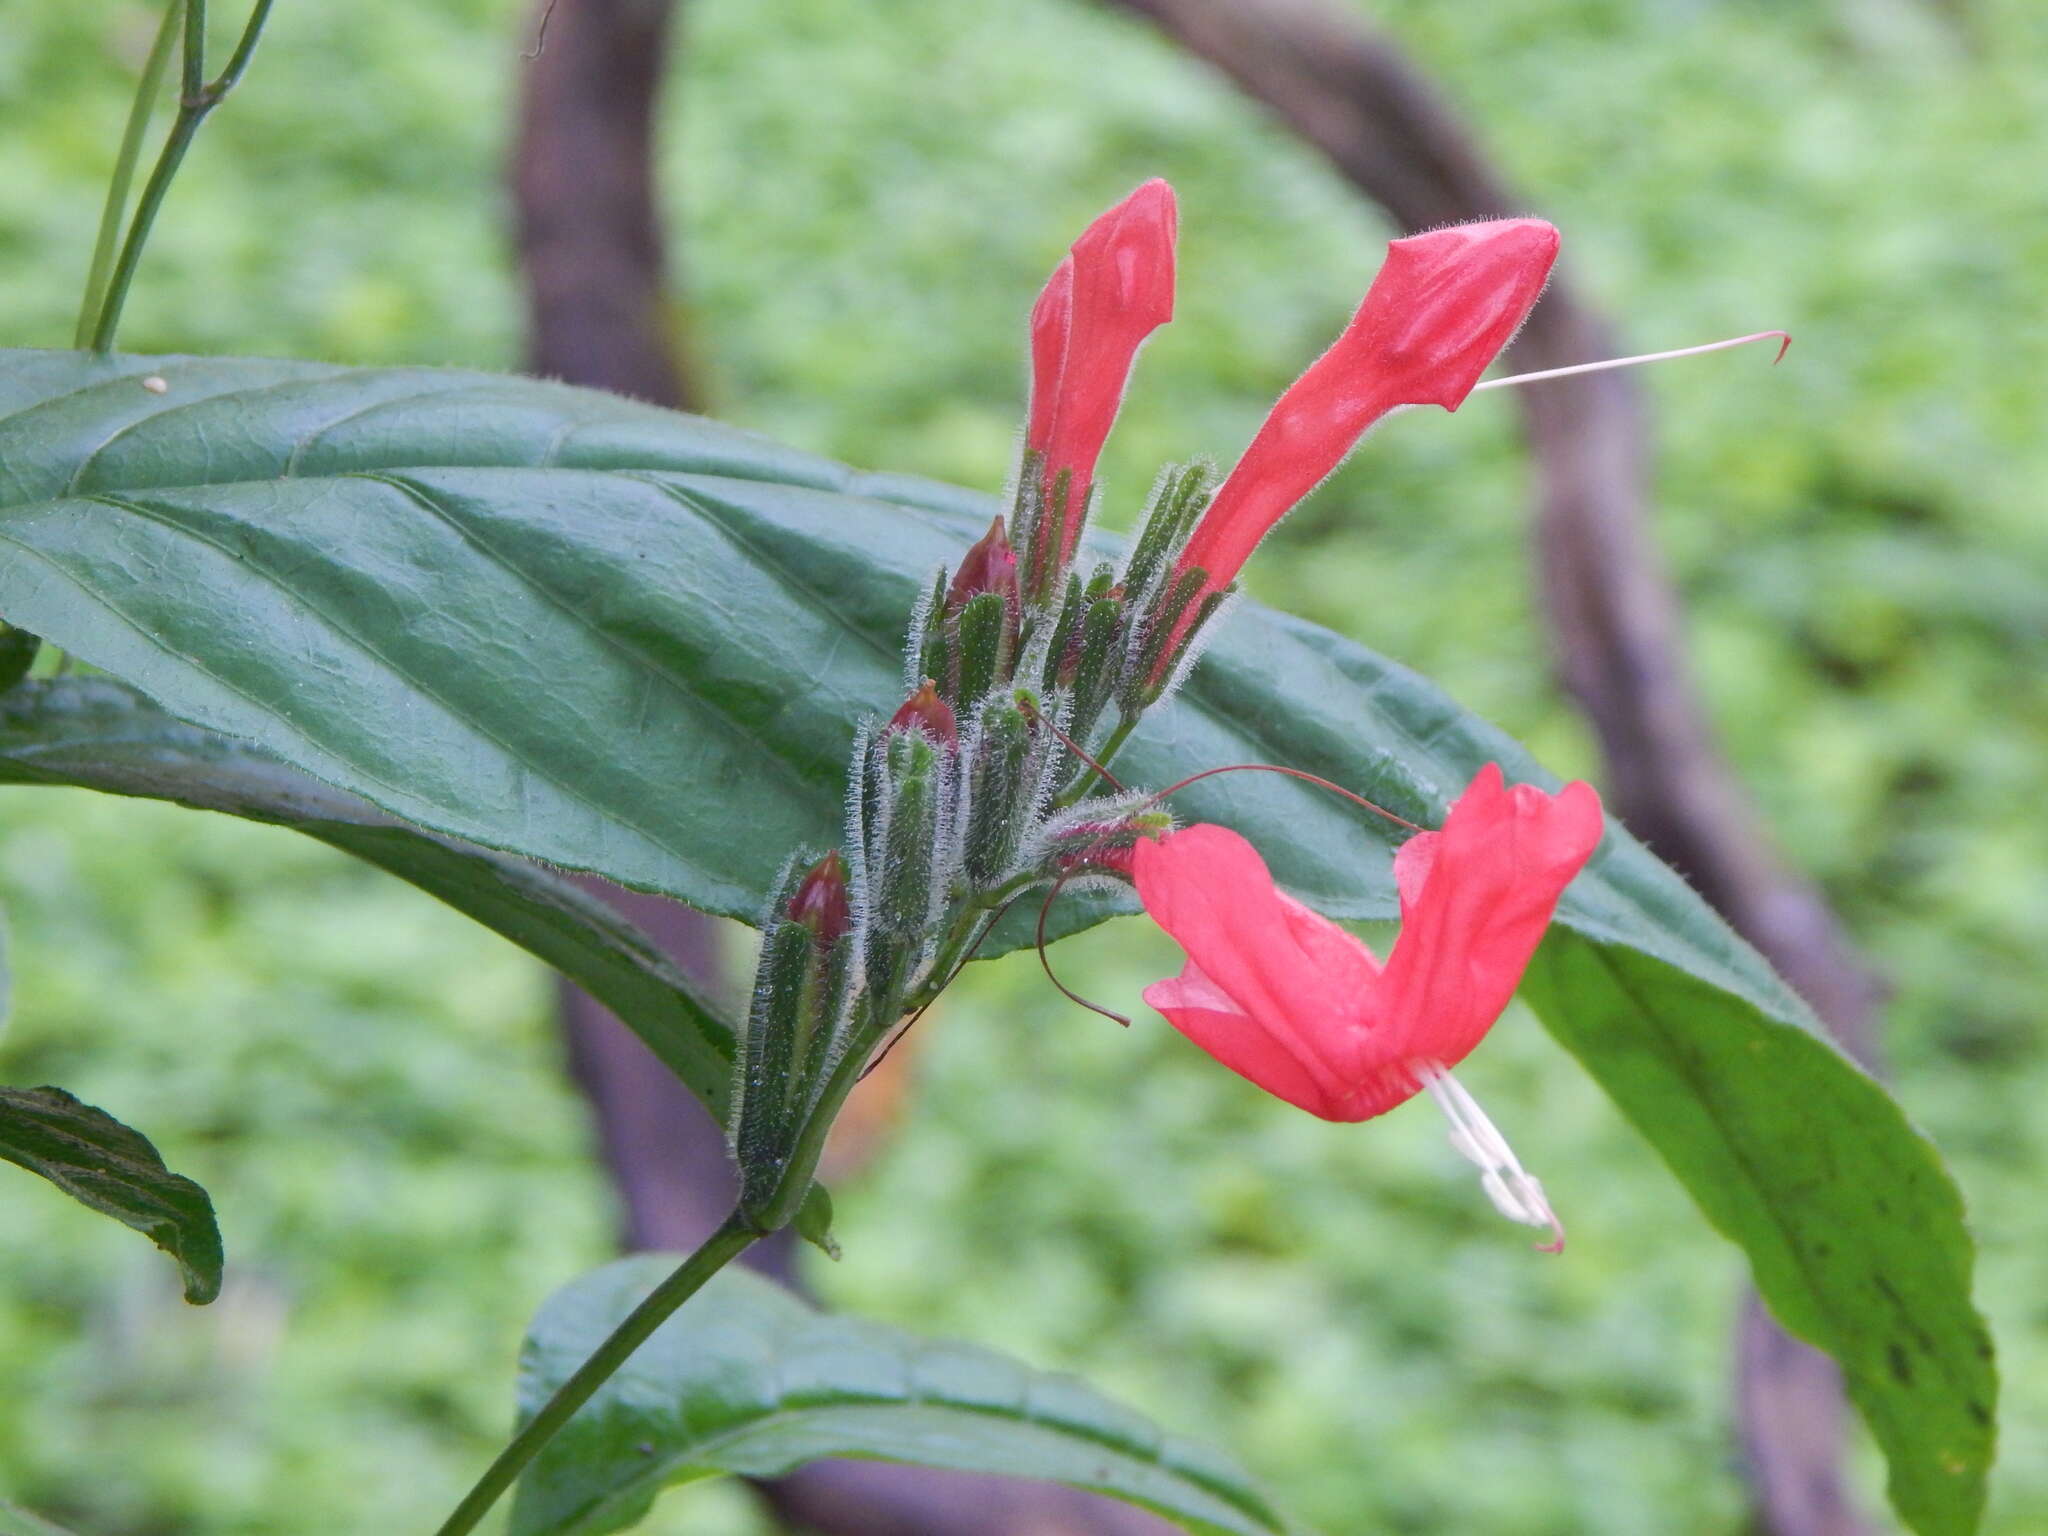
1751,1120
16,1521
613,638
101,1163
101,735
747,1379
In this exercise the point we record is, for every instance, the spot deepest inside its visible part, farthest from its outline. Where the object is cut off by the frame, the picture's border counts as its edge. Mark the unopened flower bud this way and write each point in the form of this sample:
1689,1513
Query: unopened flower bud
1006,782
989,566
795,1027
1105,843
820,901
925,711
1094,676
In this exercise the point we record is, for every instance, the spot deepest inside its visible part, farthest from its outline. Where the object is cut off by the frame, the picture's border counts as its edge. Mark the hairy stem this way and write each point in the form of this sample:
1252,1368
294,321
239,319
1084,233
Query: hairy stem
720,1249
1103,759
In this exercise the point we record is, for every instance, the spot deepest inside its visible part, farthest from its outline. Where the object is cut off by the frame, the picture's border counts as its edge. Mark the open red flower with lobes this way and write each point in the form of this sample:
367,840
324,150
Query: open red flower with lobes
1285,997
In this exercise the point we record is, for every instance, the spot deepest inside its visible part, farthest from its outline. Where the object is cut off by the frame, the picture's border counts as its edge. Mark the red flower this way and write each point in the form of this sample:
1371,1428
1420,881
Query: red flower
1102,301
1439,312
1286,998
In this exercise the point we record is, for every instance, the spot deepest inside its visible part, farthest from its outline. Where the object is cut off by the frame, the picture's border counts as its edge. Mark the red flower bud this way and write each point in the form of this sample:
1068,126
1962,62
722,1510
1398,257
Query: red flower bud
1441,309
924,710
989,566
820,901
1102,301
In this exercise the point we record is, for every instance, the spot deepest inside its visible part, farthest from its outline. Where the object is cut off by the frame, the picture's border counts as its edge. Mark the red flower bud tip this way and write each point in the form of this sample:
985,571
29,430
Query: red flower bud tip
1439,312
924,710
820,901
1102,301
989,566
1286,998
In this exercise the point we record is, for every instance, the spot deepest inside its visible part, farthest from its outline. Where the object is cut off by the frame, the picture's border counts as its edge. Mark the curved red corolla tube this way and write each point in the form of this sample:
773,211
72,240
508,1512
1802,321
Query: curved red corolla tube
1440,310
1111,292
1286,998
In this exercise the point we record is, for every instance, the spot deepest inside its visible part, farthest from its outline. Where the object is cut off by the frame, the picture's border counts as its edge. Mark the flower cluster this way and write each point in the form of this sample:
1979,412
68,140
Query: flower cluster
1026,667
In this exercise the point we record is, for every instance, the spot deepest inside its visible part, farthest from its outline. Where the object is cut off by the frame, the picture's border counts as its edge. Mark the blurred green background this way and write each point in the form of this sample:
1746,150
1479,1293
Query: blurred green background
865,200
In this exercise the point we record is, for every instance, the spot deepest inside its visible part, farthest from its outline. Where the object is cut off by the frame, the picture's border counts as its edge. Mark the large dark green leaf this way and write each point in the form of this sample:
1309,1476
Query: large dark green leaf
747,1379
101,1163
613,638
101,735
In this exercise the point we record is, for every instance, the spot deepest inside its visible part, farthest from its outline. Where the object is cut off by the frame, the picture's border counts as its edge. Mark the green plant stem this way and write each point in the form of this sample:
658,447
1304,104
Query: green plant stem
245,50
780,1209
948,955
1124,726
146,92
966,930
719,1249
195,101
193,63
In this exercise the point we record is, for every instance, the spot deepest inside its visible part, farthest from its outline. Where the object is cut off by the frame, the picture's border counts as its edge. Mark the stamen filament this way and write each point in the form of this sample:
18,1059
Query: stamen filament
1292,773
1045,960
1515,1192
1783,339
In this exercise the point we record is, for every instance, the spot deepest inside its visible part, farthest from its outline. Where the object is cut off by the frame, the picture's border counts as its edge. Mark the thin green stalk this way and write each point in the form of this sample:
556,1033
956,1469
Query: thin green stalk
947,955
153,191
720,1249
195,101
146,92
194,60
245,50
1104,758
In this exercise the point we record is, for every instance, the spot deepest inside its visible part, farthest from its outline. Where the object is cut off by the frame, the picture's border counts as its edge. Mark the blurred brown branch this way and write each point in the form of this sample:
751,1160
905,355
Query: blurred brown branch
1617,627
584,204
589,234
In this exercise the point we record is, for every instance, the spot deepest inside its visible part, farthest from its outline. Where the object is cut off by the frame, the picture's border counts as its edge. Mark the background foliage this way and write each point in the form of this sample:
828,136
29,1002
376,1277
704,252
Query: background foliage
368,1085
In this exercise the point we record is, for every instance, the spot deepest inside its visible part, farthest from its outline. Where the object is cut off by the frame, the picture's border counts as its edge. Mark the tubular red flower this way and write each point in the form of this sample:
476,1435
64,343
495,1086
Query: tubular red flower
1286,998
1051,317
1102,301
1440,310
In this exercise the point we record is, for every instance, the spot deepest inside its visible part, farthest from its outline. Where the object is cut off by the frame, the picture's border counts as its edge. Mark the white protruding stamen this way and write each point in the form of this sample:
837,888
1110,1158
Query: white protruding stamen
1783,338
1515,1192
